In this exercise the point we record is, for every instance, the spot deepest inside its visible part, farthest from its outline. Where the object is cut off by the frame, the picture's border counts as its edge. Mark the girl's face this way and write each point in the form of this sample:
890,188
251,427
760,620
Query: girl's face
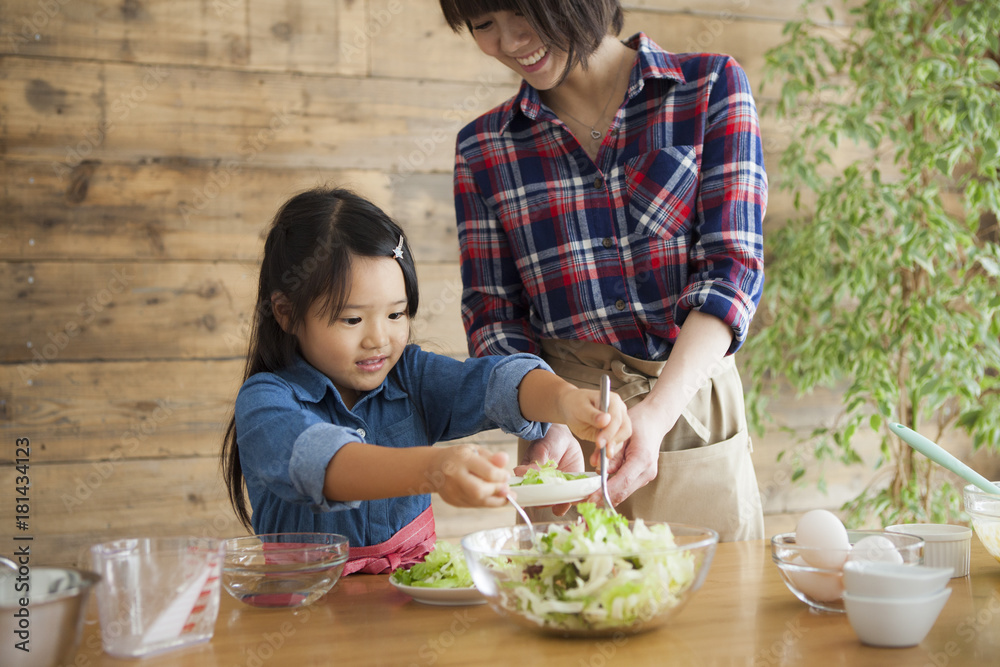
509,38
361,346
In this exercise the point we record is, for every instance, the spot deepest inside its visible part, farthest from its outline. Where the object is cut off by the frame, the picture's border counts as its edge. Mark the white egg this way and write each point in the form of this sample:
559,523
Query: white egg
825,539
820,586
875,548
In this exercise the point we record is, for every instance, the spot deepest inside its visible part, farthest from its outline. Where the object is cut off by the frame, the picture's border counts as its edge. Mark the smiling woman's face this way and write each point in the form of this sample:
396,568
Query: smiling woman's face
508,37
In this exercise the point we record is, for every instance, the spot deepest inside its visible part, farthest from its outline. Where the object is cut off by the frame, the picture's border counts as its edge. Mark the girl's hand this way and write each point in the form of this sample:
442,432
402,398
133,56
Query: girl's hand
467,476
581,410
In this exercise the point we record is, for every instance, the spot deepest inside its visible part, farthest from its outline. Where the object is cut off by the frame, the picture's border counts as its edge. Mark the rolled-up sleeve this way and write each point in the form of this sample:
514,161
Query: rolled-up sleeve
284,447
728,257
462,398
311,454
502,405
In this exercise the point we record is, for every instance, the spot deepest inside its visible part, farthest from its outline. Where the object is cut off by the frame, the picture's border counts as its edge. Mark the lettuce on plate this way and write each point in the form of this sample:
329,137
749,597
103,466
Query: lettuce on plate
444,567
609,583
547,473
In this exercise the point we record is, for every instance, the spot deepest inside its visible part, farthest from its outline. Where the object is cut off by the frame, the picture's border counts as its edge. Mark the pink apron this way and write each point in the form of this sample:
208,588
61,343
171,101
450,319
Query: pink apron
414,541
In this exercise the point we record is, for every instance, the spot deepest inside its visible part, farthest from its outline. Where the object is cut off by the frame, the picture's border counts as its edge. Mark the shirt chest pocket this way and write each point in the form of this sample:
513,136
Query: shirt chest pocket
661,189
405,432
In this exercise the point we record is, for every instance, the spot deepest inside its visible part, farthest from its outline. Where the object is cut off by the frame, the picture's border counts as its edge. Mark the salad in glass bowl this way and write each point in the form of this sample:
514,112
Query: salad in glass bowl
599,576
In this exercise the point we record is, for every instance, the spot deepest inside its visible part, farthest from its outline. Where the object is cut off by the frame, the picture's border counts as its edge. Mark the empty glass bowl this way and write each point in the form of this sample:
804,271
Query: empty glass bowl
283,569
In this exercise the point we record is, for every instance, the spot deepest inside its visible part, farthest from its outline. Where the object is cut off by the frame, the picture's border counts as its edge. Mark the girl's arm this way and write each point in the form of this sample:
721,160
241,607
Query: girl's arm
544,396
463,475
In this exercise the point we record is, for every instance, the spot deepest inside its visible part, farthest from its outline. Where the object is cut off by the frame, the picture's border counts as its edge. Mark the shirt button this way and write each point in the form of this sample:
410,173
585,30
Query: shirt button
620,304
361,432
598,183
608,242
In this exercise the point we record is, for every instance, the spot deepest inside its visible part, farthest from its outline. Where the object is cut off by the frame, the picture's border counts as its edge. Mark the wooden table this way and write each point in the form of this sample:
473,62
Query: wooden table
743,615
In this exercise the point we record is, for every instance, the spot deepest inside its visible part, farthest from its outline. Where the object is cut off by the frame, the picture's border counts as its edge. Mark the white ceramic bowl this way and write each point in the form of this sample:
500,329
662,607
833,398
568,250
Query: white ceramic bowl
893,580
945,545
894,623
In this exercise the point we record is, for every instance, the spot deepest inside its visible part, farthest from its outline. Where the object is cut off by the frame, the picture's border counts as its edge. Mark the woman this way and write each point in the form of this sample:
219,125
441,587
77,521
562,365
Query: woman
610,219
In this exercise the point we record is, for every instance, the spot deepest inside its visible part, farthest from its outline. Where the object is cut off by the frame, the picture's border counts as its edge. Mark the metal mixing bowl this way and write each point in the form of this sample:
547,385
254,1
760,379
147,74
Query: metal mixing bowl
41,609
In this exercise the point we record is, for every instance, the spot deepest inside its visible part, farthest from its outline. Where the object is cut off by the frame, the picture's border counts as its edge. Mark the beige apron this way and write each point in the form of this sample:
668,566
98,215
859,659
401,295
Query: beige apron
705,474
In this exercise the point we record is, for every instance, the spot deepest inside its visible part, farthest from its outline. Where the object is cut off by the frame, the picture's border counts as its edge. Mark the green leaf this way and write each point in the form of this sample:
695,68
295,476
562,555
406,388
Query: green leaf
885,287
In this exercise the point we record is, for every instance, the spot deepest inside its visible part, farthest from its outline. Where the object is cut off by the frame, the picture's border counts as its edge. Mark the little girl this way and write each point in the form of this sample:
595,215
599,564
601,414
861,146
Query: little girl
332,426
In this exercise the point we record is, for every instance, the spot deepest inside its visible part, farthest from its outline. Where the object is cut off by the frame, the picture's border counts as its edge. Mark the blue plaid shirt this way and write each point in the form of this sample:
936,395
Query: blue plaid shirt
617,251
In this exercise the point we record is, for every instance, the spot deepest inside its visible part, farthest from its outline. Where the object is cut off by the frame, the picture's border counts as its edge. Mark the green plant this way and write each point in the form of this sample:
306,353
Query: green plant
885,283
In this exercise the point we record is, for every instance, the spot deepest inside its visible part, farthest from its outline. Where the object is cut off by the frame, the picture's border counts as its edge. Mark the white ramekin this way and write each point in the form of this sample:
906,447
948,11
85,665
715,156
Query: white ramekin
945,545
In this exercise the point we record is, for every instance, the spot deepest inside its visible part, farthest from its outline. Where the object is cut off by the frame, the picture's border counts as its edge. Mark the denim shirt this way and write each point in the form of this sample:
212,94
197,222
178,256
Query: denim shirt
291,423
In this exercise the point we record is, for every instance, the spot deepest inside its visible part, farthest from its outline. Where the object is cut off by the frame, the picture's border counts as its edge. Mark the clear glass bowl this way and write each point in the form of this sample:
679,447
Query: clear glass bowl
283,569
823,588
588,594
983,509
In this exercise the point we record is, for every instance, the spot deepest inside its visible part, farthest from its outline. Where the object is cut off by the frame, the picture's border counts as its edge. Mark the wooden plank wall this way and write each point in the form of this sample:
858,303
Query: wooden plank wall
146,144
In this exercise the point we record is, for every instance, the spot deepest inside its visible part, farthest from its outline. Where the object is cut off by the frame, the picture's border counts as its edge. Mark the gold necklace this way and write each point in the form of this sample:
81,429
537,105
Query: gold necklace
595,134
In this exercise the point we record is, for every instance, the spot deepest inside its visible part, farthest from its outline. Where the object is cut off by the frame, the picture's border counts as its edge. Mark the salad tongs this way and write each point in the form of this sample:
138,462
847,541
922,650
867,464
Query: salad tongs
605,405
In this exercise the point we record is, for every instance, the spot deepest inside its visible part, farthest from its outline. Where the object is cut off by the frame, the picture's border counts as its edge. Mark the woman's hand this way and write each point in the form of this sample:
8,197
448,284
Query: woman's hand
560,446
699,349
637,464
467,476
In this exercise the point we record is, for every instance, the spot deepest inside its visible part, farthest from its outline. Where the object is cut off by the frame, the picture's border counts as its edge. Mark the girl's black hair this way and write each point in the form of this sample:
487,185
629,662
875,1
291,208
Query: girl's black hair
307,259
576,27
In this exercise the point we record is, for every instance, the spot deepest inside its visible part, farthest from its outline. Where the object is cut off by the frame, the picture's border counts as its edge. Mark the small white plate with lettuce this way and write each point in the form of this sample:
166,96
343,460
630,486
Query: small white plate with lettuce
442,579
547,485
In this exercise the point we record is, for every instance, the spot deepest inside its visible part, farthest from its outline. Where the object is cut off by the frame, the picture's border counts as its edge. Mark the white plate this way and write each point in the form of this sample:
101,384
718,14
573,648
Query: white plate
553,493
447,597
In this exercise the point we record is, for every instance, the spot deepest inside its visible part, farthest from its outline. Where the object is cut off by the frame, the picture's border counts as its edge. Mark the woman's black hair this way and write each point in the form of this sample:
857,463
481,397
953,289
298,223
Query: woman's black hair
575,27
307,259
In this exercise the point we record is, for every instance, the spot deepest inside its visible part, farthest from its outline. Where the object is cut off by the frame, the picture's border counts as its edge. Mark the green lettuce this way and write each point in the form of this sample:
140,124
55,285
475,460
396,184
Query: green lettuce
618,577
444,567
547,473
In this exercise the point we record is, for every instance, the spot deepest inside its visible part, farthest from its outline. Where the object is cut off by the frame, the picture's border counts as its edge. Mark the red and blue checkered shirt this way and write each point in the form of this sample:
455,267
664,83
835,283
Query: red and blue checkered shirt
668,219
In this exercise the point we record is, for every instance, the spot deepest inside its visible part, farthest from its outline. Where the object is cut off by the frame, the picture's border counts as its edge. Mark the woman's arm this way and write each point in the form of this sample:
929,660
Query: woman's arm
701,345
494,306
726,279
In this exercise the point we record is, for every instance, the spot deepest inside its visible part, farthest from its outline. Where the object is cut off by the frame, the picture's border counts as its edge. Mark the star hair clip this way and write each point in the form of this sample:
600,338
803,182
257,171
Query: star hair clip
397,252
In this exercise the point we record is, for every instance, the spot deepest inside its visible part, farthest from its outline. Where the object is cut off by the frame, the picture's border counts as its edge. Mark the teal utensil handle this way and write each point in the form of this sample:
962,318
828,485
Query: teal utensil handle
939,455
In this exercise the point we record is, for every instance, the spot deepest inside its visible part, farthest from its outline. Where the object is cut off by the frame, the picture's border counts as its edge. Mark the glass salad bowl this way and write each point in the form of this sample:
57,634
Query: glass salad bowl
984,512
283,569
600,576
